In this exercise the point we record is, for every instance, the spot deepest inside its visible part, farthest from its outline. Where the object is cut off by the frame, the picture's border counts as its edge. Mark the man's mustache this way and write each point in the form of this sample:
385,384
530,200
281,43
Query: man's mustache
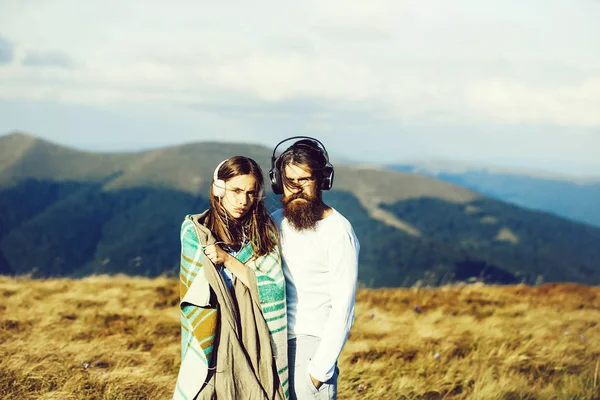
295,196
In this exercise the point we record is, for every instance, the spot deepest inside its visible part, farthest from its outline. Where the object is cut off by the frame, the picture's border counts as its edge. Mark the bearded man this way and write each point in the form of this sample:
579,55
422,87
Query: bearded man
320,263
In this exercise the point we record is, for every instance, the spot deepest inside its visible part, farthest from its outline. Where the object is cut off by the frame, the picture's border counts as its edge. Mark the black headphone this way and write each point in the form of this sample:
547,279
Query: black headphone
327,171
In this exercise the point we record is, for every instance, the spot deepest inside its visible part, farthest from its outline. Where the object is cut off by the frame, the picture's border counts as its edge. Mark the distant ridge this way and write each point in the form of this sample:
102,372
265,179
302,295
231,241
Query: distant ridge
437,167
576,198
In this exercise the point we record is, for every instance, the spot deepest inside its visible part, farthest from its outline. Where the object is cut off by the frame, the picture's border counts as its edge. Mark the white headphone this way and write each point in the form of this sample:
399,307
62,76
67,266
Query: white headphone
218,184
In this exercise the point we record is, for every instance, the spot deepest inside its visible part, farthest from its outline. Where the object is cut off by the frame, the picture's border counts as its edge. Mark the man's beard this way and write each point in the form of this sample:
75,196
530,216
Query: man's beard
303,214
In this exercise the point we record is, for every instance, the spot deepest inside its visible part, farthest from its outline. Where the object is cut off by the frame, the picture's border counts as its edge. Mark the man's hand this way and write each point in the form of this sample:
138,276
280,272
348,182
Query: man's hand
216,254
315,382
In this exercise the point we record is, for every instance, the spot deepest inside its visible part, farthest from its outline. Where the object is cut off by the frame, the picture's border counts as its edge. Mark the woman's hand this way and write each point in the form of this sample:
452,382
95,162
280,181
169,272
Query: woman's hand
216,254
219,256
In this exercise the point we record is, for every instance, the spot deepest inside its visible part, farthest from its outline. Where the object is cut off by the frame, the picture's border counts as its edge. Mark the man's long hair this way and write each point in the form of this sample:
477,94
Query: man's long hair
303,153
256,225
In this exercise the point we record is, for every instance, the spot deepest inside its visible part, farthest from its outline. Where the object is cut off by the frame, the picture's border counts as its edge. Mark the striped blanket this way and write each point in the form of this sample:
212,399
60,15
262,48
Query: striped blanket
199,318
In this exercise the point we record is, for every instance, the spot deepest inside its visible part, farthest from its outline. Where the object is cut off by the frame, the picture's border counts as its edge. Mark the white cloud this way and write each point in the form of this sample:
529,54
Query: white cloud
48,59
517,103
276,78
355,20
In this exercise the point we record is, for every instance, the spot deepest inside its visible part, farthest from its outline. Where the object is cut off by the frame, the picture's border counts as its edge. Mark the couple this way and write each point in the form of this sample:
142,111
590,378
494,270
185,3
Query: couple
267,302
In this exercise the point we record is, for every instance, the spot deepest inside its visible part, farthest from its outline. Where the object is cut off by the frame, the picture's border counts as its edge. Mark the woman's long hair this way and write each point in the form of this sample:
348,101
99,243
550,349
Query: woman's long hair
256,225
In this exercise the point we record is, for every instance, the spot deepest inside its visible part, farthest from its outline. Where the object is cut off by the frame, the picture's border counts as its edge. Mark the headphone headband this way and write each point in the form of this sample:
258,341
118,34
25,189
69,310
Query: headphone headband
323,149
216,173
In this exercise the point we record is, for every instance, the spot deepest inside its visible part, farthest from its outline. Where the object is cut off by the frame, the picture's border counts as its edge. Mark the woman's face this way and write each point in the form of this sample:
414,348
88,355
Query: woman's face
240,195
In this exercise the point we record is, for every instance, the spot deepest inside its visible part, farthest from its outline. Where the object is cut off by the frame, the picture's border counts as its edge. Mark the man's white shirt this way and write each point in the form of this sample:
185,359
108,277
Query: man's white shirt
321,268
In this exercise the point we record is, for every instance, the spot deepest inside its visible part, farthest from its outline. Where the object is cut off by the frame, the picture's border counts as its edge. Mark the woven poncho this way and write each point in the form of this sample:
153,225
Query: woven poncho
199,318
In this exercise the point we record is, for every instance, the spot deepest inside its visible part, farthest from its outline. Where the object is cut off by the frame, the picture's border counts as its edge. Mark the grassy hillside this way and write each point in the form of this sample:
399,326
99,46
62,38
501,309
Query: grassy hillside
497,233
119,338
69,213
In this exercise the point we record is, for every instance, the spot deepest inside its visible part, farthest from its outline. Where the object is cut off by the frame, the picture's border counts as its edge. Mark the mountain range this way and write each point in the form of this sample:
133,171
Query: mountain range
571,197
67,212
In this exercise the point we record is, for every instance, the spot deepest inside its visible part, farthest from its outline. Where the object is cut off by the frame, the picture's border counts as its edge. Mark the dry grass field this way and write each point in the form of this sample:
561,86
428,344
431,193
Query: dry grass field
118,338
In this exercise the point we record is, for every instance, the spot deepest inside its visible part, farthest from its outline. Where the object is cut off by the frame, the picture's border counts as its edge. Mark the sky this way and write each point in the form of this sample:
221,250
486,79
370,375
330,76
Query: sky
508,83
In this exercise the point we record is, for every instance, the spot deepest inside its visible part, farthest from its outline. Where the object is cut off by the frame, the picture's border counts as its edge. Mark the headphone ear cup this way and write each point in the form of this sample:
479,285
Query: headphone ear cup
276,184
219,188
218,185
327,181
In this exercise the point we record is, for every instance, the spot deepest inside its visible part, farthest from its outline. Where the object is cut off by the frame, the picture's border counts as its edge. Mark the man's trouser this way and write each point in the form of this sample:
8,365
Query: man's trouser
300,352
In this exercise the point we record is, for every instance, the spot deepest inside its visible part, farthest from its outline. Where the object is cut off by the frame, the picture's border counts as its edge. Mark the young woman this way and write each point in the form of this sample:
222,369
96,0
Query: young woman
232,293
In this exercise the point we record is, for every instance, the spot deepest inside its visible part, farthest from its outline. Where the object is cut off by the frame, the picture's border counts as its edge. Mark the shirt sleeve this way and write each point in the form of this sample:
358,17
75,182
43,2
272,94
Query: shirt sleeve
343,260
